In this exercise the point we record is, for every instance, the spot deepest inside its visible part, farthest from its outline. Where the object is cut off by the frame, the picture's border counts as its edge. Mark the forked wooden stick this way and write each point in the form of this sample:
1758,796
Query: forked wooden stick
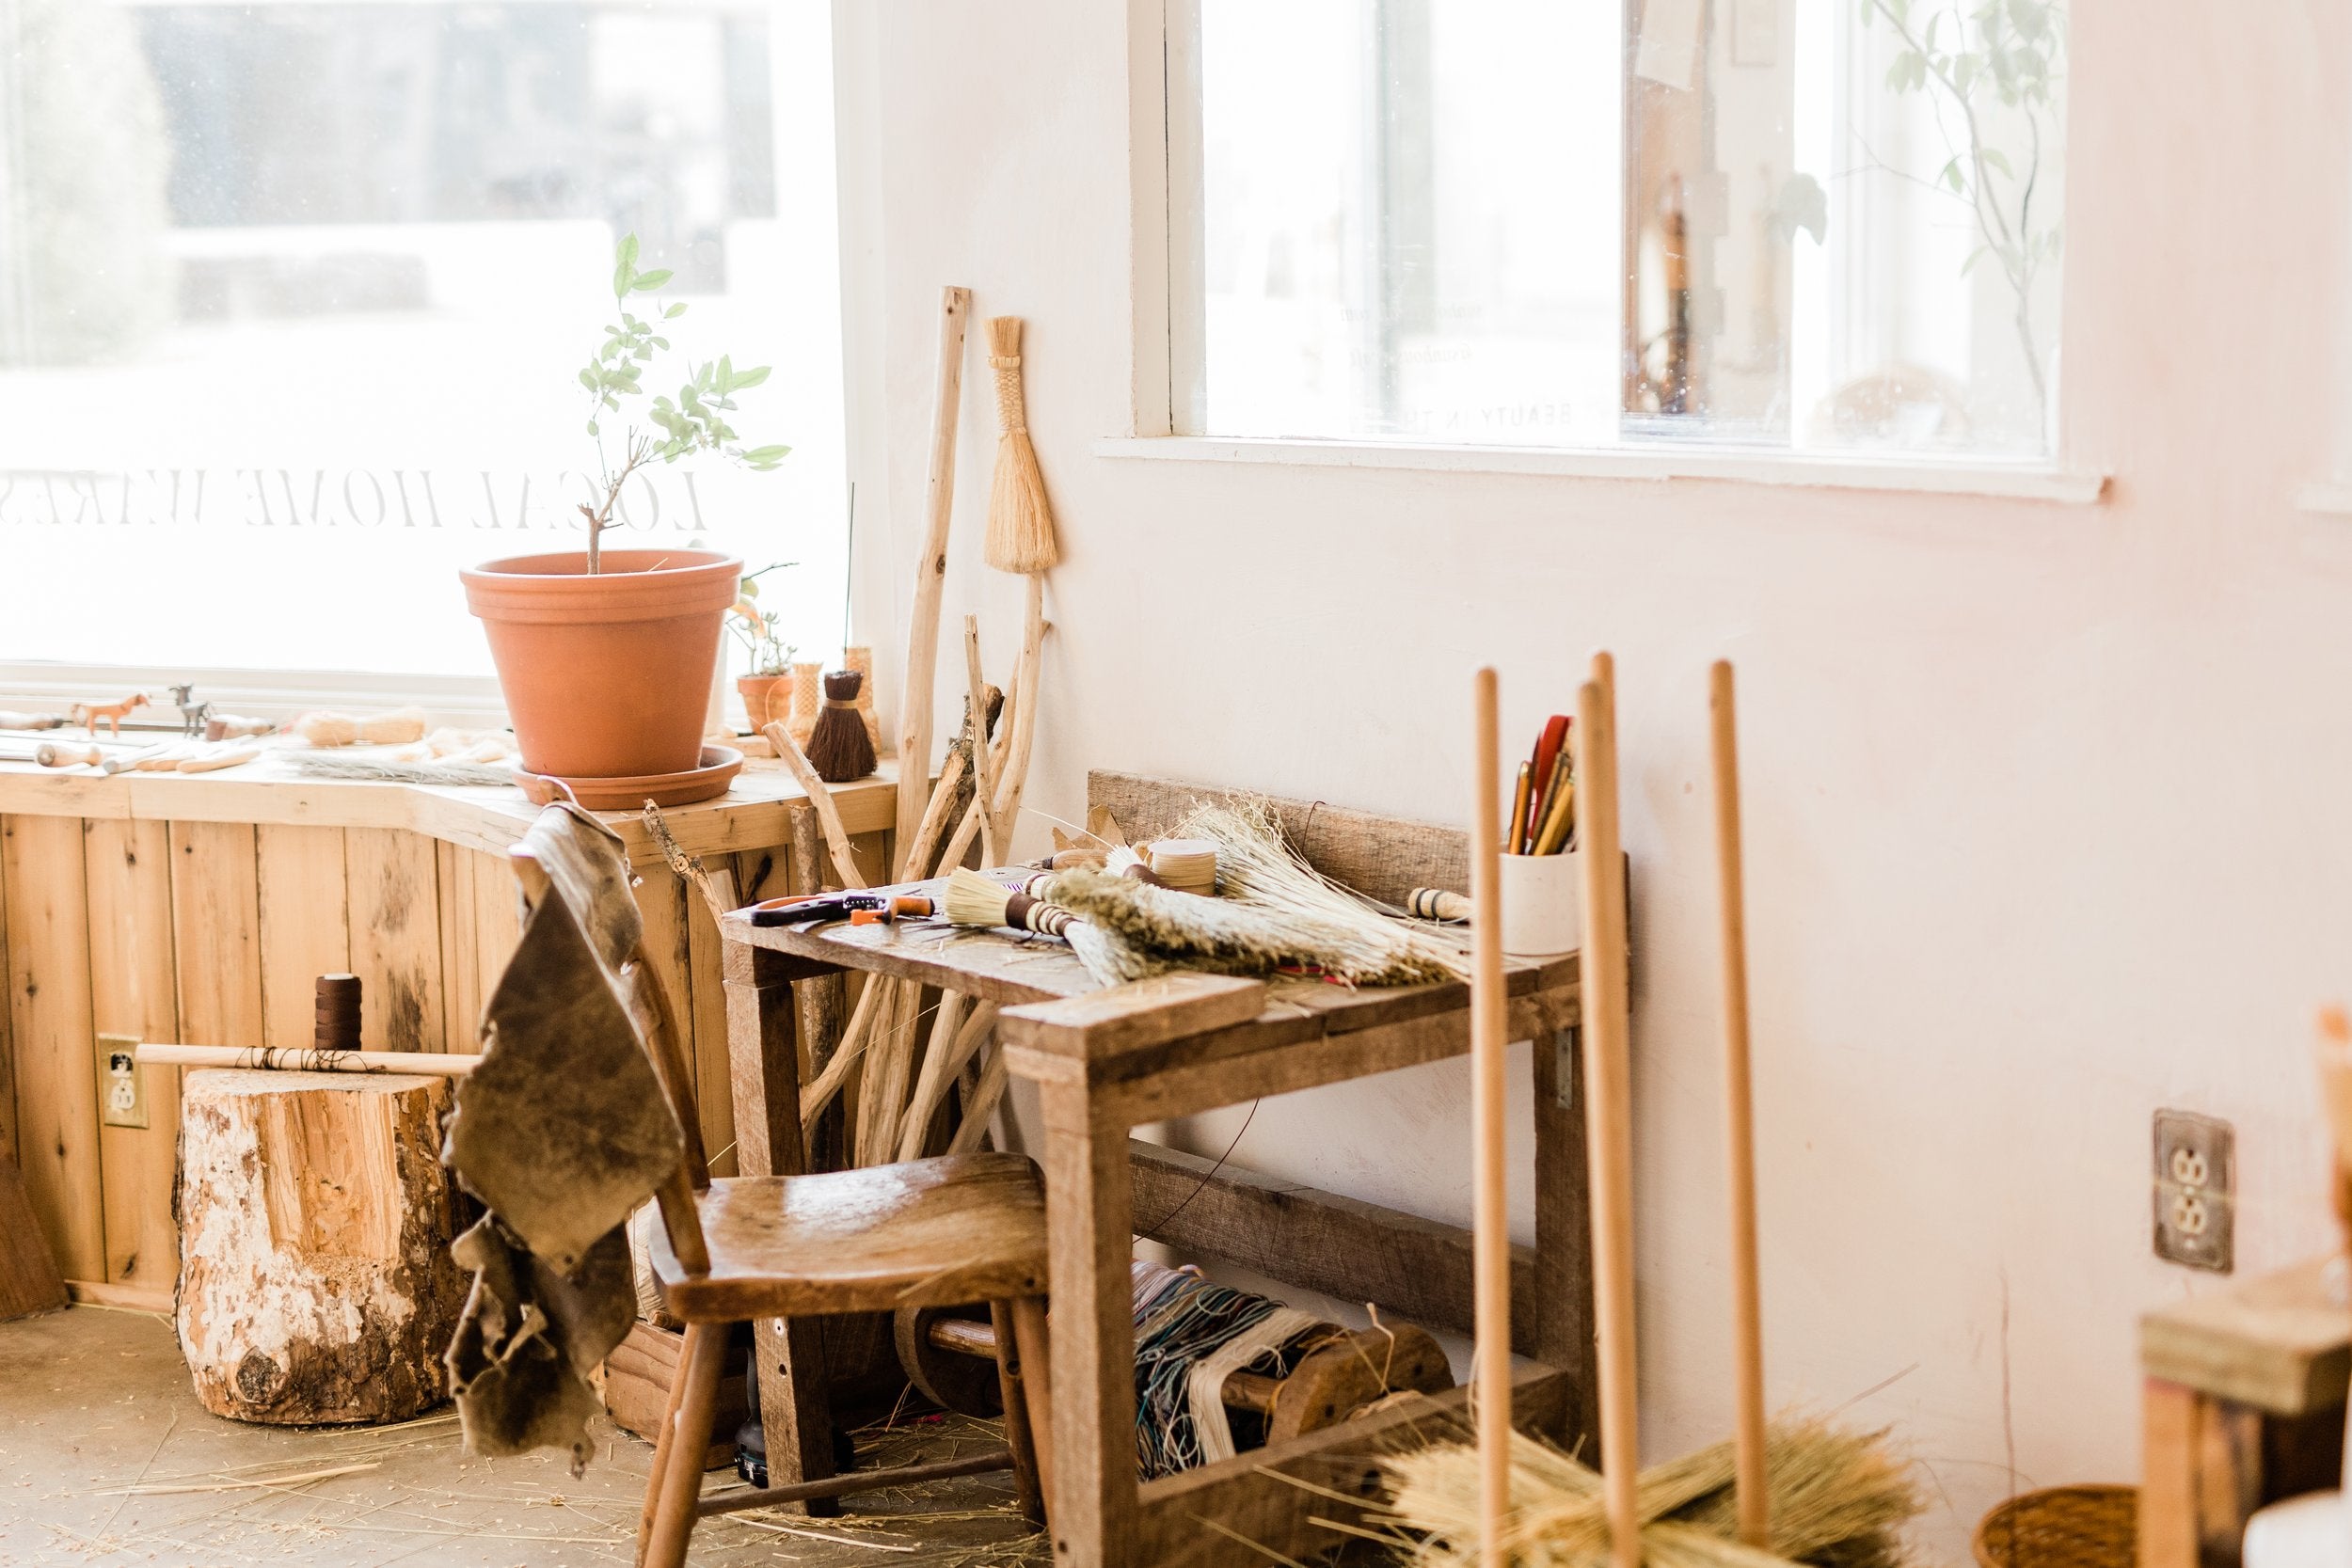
1747,1313
1608,1112
1492,1236
1012,769
951,1046
984,784
828,815
931,574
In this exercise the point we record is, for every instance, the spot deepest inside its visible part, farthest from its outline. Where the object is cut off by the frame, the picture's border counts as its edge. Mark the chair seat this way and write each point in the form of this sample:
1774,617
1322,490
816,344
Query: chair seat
961,1228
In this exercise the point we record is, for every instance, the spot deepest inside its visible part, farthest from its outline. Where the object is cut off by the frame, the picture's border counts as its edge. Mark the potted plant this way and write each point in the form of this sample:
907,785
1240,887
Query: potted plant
767,687
605,657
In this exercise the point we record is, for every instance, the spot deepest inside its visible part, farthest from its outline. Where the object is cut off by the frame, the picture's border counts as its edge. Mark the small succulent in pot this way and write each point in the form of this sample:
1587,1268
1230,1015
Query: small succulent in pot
695,422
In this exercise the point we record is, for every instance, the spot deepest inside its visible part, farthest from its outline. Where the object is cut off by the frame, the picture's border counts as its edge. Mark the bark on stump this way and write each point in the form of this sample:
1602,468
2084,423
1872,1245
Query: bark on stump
315,1281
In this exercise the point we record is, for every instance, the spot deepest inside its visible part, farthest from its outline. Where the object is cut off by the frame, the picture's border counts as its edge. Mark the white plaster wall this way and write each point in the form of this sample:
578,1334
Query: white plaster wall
2045,803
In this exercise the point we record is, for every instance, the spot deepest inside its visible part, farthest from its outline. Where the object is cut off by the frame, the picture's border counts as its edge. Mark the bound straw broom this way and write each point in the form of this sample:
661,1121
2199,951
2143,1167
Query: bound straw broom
1019,519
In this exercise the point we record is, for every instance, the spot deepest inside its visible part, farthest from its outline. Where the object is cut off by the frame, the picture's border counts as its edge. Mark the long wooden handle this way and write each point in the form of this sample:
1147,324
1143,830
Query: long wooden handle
931,574
428,1063
1492,1236
1747,1312
1609,1117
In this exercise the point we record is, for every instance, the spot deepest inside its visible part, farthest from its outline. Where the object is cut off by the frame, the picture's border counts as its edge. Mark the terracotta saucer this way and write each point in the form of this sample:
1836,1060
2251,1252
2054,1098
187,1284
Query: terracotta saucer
720,764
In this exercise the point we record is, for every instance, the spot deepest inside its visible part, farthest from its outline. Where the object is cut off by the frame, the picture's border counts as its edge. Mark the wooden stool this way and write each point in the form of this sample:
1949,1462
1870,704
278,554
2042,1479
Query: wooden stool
315,1281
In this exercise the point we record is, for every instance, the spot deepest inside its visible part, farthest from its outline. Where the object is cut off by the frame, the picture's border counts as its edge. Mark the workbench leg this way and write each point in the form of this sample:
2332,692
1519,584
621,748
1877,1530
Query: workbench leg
1089,1226
1563,1236
818,1003
764,1068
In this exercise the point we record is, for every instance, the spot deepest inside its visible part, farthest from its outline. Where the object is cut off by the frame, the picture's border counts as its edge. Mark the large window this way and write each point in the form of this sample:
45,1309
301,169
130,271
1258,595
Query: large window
293,294
1811,225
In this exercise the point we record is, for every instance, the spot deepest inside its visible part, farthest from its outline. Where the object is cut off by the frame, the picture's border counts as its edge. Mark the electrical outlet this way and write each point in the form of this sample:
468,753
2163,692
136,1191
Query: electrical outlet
122,1089
2196,1191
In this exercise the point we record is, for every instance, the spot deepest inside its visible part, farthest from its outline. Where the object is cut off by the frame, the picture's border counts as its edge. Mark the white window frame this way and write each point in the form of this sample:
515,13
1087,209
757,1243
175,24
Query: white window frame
1164,89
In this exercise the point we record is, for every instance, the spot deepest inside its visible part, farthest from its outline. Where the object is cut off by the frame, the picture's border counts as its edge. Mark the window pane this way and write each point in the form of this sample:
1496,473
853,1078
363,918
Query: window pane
1819,224
294,298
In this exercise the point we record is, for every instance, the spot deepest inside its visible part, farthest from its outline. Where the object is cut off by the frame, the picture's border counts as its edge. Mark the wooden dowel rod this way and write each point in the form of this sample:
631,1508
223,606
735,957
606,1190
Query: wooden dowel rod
857,1481
1609,1120
304,1059
1492,1236
1747,1322
983,762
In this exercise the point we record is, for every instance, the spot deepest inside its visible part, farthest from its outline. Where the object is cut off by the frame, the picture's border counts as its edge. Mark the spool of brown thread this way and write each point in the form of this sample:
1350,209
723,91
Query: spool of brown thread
839,747
338,1013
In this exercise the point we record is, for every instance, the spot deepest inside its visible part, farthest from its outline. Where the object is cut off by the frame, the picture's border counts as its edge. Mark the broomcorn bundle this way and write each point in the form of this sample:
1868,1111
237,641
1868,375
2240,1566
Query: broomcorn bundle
1134,930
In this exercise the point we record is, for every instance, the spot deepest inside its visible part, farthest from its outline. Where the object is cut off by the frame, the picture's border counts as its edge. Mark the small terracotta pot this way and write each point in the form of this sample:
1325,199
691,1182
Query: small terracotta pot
605,676
766,698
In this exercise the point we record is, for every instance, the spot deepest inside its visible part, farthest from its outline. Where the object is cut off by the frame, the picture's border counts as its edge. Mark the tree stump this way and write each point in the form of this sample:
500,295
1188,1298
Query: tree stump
315,1281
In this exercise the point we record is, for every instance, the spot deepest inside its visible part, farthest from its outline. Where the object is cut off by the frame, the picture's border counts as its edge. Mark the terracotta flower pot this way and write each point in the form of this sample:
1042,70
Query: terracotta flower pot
605,676
766,698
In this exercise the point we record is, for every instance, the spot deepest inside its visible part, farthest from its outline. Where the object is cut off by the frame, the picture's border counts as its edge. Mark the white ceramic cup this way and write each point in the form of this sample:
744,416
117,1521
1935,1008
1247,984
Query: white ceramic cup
1543,904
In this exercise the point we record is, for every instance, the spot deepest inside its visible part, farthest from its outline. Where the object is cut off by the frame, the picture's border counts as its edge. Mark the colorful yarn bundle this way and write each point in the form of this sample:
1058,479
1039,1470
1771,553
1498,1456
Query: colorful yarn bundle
1190,1336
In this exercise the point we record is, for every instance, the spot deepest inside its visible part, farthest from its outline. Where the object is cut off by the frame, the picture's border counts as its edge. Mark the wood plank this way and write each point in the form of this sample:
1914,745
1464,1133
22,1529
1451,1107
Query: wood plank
216,925
1385,857
29,1282
1561,1330
394,879
49,1002
1248,1498
304,912
1089,1221
662,900
995,968
462,996
498,926
133,991
1136,1016
97,1292
707,1020
2278,1342
7,1038
1418,1269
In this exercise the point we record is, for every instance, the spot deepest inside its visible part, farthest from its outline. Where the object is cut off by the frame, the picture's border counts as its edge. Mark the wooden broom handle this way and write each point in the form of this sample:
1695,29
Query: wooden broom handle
1609,1116
1490,1232
930,577
1747,1322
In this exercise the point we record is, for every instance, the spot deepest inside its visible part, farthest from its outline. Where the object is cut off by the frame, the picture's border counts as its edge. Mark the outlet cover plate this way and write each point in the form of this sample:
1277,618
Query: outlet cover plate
121,1087
2196,1191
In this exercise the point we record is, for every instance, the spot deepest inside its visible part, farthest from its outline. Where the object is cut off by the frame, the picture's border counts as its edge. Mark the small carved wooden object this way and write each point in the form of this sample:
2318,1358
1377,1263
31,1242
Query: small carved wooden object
89,714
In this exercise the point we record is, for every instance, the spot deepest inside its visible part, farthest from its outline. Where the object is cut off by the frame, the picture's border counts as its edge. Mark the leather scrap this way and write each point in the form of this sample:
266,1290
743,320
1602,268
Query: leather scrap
528,1339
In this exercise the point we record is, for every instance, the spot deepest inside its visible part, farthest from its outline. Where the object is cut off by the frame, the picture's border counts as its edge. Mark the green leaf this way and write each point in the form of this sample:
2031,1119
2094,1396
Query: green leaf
677,309
1951,174
659,342
751,377
652,280
766,457
588,381
1994,159
592,427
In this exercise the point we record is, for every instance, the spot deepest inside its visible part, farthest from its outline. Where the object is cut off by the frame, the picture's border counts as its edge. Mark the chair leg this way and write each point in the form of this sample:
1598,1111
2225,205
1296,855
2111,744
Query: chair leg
1037,1386
662,1448
688,1442
1017,1437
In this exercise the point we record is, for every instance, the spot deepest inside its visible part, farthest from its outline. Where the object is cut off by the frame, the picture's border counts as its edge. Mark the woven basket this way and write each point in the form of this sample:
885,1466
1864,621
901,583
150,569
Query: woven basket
2062,1526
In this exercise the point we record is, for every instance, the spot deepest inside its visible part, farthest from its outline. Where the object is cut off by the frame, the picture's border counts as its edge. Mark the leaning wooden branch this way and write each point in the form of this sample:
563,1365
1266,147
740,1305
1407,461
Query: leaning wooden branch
1012,771
983,761
940,1067
828,815
686,867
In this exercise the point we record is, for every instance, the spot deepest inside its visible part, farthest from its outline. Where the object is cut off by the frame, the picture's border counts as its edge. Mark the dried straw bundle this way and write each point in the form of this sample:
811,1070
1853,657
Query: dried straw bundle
1019,519
1151,930
1839,1501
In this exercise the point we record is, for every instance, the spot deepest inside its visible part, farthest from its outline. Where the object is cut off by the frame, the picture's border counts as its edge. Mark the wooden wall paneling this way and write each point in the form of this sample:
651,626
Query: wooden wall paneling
461,970
394,877
306,930
496,917
216,913
714,1084
49,1005
662,900
8,1036
133,991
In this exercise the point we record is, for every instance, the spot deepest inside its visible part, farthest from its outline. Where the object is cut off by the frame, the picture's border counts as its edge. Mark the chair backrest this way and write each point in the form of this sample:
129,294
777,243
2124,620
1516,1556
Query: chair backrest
567,854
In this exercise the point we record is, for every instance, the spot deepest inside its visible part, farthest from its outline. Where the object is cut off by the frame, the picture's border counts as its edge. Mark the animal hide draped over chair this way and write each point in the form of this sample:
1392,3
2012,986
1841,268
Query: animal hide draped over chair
562,1131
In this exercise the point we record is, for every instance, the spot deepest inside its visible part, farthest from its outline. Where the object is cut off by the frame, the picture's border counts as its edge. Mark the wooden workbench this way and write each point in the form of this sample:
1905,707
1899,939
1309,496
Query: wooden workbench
1107,1061
200,907
2244,1406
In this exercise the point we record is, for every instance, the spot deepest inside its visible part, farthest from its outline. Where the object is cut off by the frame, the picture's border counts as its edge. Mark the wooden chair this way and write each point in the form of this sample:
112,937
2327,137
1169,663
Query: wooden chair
957,1229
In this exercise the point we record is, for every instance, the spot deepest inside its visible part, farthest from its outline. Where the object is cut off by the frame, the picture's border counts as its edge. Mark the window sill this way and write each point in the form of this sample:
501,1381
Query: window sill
2330,497
2040,482
466,702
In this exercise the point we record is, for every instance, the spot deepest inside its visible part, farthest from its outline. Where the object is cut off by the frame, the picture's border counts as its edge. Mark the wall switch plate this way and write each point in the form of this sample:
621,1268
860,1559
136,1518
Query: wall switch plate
122,1089
2196,1191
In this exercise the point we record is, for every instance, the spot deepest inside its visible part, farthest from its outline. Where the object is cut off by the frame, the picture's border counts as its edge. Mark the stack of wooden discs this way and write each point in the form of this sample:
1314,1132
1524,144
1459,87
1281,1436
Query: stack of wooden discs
338,1012
1186,864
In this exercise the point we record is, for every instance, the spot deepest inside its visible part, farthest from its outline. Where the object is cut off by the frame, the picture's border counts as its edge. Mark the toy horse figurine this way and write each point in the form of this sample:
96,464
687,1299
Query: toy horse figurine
192,714
89,714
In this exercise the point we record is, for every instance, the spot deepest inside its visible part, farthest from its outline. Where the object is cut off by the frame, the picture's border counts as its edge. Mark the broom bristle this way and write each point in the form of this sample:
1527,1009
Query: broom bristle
838,747
974,900
1021,534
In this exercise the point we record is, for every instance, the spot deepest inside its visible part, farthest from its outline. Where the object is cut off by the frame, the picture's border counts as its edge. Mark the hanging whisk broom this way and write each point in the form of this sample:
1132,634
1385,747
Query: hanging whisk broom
1019,519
